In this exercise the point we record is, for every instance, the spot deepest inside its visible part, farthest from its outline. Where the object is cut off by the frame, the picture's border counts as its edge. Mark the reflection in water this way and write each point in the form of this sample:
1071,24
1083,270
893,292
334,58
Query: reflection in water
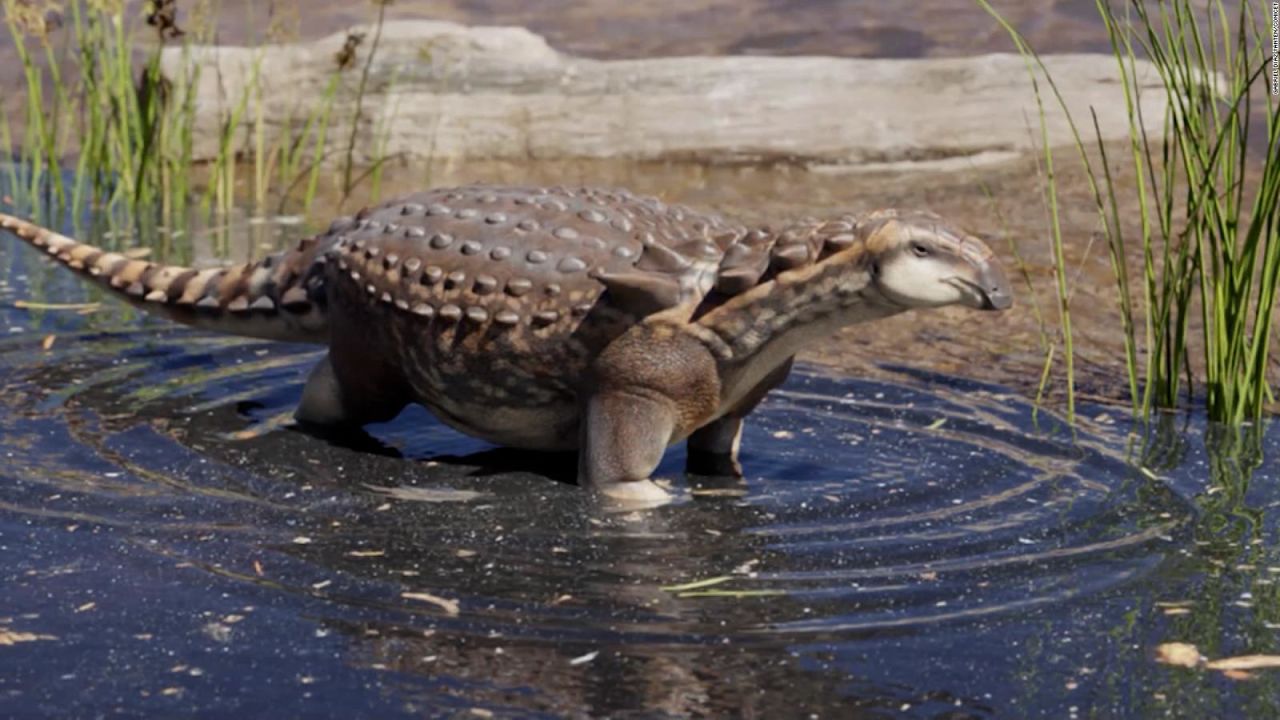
1220,593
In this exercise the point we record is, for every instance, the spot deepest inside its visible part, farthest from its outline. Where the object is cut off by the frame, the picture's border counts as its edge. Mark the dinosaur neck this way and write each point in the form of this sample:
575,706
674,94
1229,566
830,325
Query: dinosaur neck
754,332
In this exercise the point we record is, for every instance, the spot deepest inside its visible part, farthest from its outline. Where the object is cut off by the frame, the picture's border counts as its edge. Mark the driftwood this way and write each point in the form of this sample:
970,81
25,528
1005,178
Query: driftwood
444,91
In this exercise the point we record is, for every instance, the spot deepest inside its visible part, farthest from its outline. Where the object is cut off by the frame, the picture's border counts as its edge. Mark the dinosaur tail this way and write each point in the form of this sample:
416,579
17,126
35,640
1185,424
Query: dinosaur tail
281,297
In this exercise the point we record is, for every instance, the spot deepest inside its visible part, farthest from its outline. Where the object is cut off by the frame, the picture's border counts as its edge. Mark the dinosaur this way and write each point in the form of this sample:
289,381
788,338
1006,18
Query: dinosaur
562,319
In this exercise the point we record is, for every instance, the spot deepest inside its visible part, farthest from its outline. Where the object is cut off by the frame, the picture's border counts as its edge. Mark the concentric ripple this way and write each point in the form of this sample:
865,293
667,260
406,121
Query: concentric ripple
160,461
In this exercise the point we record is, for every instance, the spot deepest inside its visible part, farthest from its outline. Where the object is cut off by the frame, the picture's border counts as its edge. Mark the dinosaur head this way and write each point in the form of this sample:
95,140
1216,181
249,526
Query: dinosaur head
917,260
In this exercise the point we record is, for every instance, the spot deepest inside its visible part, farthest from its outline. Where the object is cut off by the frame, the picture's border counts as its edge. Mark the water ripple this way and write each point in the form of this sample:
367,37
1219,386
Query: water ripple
868,505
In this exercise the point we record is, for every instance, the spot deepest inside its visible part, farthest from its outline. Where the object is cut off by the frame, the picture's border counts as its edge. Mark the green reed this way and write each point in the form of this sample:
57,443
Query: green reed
104,127
1206,257
39,143
348,168
1060,270
1047,343
127,130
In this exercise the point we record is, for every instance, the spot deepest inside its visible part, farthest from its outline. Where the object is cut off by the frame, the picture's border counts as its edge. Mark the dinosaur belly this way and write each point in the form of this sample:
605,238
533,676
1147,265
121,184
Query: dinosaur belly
550,427
518,397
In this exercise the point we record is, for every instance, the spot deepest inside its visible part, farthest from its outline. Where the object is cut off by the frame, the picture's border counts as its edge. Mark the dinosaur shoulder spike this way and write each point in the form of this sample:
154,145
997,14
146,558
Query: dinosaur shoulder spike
790,256
657,257
741,269
642,293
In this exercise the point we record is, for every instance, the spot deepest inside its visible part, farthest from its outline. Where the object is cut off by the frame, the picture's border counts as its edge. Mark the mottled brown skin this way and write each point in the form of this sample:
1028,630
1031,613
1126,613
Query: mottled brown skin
562,319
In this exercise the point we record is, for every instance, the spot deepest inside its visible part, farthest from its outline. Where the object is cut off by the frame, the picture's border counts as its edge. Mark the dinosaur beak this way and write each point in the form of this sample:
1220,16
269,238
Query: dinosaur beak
993,284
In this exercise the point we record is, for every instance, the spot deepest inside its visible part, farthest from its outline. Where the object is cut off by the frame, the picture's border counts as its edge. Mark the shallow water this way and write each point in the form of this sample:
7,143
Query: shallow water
916,546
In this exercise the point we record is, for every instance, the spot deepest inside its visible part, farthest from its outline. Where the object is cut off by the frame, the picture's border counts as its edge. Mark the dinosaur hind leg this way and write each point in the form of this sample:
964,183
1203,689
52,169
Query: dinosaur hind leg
330,400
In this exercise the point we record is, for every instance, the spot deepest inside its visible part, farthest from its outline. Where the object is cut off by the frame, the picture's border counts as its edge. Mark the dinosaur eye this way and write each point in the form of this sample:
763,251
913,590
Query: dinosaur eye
920,250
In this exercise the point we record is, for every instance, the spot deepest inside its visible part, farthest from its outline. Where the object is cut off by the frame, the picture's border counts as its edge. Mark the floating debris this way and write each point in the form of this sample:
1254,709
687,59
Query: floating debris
1245,662
584,659
428,494
709,582
718,492
450,607
265,427
9,637
1235,668
1179,654
31,305
731,593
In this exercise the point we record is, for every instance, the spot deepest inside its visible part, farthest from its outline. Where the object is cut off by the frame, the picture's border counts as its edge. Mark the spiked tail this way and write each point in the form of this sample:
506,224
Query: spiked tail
280,297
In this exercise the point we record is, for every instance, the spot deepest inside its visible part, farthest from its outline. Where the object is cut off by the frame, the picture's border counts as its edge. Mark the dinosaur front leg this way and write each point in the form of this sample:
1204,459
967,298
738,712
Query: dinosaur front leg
713,448
623,438
650,387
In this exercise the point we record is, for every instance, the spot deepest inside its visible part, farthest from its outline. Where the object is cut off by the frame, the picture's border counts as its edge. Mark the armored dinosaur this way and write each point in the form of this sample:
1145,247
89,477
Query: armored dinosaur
558,319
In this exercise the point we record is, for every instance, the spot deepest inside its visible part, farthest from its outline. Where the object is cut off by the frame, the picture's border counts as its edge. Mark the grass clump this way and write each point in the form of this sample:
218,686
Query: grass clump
1206,255
104,127
128,127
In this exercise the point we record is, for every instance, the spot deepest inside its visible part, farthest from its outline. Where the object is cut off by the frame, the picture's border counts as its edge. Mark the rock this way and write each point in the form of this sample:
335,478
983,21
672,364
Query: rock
445,91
